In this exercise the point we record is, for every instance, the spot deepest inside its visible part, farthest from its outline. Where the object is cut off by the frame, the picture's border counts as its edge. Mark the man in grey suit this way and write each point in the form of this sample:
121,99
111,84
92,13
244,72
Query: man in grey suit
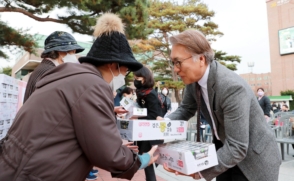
246,146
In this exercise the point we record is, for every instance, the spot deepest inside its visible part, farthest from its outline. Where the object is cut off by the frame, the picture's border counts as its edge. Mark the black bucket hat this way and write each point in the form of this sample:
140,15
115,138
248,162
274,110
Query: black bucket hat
111,45
62,42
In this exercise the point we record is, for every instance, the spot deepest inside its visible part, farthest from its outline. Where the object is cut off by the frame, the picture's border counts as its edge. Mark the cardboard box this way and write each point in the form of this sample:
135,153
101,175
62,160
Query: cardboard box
127,103
137,130
186,156
3,97
133,108
136,112
1,124
6,79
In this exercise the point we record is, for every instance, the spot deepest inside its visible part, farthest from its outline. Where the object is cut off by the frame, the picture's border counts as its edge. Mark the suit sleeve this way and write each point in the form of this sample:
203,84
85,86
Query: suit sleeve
236,125
95,125
188,107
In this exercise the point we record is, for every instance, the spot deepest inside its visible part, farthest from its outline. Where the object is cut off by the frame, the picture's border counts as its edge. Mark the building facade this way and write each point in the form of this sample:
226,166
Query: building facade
259,80
280,15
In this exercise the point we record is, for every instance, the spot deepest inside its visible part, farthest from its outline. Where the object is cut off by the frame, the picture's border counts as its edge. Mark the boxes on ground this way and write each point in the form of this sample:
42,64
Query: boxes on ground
9,101
137,130
1,124
8,89
186,156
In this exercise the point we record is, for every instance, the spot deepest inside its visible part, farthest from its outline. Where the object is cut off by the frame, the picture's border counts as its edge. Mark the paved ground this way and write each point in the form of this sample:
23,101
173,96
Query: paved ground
286,172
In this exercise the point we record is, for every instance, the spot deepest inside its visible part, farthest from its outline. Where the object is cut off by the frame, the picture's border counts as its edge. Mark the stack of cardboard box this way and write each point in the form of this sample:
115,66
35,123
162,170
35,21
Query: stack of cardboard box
9,102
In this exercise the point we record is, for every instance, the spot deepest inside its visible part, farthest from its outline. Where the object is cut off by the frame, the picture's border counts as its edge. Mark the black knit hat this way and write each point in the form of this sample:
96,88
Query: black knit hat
62,42
111,45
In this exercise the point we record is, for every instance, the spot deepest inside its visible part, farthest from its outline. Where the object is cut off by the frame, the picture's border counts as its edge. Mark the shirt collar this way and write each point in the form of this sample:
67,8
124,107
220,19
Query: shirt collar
203,81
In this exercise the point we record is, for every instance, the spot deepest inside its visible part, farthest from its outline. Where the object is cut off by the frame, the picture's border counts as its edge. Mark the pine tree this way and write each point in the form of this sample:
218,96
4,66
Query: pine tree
79,15
6,71
10,37
167,18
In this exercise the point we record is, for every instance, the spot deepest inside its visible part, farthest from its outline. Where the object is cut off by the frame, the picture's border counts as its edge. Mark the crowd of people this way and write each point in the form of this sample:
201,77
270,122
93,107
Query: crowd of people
67,124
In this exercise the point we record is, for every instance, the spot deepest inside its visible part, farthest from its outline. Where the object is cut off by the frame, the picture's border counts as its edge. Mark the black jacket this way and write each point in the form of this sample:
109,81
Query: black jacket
153,105
265,105
44,67
166,103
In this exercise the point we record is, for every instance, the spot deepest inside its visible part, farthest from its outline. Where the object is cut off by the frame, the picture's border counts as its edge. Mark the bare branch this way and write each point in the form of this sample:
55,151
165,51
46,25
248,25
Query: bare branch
19,10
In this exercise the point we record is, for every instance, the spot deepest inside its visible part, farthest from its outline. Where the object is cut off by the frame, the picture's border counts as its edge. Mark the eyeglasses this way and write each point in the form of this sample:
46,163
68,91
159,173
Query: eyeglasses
127,72
178,63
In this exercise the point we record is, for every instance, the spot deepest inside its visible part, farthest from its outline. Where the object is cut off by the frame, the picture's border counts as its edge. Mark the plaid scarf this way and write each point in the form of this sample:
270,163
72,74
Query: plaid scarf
142,93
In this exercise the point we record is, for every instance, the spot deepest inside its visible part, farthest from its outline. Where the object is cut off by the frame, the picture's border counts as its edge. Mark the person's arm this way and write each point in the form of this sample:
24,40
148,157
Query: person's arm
188,106
236,125
94,120
267,104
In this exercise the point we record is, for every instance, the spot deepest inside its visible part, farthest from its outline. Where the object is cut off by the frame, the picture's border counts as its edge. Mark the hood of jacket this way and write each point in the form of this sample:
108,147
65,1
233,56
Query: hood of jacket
65,70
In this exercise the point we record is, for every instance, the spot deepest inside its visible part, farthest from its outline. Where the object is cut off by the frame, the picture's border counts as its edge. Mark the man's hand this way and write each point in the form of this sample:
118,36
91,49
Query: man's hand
130,145
196,176
119,110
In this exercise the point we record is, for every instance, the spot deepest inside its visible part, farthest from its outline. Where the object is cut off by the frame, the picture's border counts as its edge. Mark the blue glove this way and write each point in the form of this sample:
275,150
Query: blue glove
145,159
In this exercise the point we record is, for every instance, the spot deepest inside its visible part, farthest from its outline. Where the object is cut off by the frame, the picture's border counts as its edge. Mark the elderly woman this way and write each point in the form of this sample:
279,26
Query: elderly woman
60,47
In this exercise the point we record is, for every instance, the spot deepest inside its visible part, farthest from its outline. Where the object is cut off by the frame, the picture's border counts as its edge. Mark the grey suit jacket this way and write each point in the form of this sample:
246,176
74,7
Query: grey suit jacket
247,139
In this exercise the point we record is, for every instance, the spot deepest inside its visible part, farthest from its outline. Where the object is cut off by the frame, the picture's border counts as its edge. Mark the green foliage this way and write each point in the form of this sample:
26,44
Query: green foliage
6,71
289,93
80,15
10,37
222,57
168,18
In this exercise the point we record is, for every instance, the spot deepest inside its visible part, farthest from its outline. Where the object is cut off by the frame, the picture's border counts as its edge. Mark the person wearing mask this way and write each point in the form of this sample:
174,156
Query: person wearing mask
246,146
147,97
165,101
60,47
264,103
52,135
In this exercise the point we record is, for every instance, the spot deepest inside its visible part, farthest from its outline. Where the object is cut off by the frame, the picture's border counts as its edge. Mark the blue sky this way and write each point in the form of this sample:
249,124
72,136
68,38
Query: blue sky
244,24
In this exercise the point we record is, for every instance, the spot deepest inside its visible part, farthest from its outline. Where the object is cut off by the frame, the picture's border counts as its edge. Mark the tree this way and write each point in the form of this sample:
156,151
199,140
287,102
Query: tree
167,18
80,15
7,71
289,93
10,38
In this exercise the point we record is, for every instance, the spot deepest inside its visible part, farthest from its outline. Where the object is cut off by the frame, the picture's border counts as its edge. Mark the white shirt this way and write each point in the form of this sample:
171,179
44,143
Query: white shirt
203,84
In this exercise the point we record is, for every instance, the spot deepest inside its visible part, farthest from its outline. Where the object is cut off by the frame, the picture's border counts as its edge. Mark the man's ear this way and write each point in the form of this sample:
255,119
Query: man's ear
202,60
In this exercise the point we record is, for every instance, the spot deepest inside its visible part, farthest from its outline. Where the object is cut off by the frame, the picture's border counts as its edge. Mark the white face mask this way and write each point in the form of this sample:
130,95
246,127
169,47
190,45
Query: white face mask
117,81
70,58
260,93
164,92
